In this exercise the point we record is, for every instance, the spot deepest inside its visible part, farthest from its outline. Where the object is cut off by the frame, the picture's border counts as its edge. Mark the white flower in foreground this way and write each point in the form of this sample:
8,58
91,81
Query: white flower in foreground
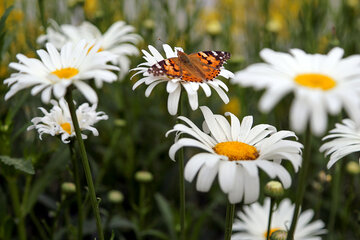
56,70
119,39
252,222
58,120
345,139
321,84
235,151
154,71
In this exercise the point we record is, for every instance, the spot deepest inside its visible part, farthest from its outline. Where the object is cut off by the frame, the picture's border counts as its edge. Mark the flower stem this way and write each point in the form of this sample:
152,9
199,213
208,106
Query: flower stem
302,183
181,182
272,203
76,172
230,211
86,165
334,198
12,184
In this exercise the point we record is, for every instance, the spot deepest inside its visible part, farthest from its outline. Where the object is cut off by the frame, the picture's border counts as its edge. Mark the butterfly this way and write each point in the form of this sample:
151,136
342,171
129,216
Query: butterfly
195,67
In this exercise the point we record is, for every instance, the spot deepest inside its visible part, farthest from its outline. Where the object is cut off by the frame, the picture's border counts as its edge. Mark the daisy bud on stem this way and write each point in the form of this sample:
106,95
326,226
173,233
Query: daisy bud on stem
275,191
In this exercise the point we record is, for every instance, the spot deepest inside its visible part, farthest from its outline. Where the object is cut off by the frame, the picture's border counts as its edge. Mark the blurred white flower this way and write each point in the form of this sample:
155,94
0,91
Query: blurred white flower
235,151
252,222
119,39
58,70
345,139
58,120
153,74
321,84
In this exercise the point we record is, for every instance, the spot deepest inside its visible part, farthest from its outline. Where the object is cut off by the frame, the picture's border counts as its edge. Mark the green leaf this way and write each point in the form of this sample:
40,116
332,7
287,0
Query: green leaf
4,17
166,213
19,164
153,233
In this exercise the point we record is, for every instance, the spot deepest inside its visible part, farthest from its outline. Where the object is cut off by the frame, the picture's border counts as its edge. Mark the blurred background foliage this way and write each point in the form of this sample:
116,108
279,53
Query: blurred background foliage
133,138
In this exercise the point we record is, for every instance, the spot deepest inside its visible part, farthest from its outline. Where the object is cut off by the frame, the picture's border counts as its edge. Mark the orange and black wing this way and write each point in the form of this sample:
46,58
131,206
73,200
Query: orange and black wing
169,67
209,62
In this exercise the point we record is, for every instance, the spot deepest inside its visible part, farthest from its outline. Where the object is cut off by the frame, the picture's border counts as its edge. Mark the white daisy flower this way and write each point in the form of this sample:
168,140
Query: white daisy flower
58,70
58,120
345,139
252,222
119,39
321,84
235,151
152,77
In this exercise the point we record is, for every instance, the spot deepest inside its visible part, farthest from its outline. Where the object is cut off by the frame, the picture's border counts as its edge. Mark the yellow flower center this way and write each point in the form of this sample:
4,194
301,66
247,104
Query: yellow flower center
236,150
66,127
272,230
66,72
315,80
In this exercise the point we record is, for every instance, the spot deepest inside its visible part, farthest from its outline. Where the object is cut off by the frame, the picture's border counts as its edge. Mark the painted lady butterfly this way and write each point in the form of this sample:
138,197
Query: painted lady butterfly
195,67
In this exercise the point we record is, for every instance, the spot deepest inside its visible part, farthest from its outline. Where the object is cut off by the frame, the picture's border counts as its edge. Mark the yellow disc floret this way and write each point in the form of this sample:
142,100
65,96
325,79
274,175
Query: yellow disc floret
236,150
315,80
66,72
66,127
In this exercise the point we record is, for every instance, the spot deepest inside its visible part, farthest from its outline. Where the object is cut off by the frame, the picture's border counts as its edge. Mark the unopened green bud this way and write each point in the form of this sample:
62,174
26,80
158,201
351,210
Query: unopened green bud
353,168
115,196
213,27
274,189
149,24
68,187
120,122
143,176
279,235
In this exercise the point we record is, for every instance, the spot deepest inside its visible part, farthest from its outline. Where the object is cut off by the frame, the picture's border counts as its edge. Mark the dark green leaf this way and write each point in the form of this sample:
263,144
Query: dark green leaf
19,164
166,213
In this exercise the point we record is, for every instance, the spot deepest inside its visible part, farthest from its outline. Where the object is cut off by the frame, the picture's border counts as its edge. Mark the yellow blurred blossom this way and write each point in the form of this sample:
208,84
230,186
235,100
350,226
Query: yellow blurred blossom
90,8
233,106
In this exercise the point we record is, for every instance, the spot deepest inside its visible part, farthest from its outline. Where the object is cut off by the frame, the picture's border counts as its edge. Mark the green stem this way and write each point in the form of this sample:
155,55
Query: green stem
85,163
76,172
12,183
181,179
141,206
230,211
302,183
39,227
334,198
272,203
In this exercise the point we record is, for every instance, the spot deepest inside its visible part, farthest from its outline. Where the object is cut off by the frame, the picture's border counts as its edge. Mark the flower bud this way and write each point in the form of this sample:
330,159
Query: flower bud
353,168
143,176
274,189
68,187
279,235
115,196
213,28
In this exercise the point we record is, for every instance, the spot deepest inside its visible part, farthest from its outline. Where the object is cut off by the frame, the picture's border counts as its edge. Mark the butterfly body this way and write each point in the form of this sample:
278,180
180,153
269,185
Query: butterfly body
196,67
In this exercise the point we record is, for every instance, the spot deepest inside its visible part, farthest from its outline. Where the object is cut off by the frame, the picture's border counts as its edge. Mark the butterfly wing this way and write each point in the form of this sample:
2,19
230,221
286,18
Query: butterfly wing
169,67
209,62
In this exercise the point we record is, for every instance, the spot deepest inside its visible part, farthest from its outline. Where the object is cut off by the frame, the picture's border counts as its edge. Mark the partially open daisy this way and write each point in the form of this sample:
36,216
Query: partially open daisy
344,139
252,222
119,39
153,74
321,84
58,70
235,151
58,120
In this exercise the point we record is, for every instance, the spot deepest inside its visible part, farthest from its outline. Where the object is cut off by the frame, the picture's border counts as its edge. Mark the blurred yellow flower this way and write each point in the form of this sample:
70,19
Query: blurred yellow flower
233,106
90,8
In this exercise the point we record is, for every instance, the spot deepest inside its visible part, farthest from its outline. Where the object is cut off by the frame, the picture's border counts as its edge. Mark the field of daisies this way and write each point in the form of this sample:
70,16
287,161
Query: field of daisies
184,119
